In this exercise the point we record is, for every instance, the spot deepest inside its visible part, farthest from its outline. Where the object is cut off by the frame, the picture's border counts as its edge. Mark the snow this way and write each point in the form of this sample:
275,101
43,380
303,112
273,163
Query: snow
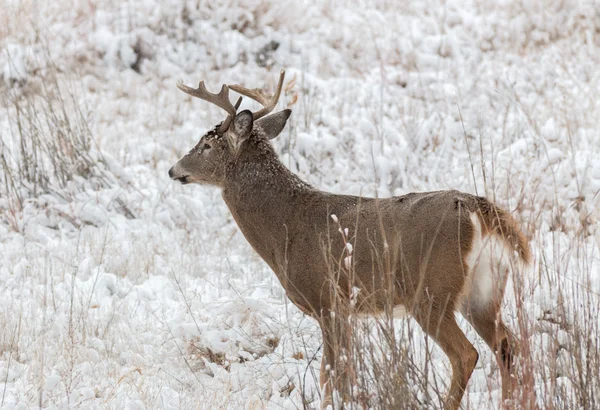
123,289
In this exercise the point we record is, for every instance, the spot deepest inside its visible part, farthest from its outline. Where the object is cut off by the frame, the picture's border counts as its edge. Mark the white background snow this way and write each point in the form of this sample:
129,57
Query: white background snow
140,293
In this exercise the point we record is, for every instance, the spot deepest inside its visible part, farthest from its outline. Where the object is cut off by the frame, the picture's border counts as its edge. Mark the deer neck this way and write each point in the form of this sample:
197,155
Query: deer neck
263,196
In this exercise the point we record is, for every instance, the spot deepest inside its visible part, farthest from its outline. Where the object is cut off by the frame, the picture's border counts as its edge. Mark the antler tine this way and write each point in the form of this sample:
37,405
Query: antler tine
267,101
221,100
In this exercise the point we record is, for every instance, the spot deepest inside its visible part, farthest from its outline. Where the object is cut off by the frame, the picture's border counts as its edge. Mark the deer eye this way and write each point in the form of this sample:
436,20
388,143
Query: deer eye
206,147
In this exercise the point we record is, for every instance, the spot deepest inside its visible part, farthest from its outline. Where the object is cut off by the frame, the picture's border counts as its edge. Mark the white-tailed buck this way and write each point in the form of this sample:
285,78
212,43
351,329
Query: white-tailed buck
430,253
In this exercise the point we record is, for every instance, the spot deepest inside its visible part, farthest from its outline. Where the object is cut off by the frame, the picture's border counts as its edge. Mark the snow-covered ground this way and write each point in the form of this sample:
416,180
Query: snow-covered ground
122,289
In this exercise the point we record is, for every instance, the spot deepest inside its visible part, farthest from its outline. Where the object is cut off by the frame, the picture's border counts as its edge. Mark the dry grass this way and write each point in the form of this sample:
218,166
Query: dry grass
48,148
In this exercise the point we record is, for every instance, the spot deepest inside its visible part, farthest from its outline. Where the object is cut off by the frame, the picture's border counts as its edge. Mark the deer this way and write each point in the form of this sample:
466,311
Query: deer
429,254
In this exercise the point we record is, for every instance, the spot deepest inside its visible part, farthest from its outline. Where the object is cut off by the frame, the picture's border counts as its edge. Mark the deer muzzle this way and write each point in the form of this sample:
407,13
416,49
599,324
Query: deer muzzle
177,175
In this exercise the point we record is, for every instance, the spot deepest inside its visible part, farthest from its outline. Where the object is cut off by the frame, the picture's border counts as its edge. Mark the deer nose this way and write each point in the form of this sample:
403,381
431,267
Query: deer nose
171,173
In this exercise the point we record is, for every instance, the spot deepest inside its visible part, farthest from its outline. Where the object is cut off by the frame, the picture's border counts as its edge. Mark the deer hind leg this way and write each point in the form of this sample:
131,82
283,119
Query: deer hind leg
488,324
481,308
442,327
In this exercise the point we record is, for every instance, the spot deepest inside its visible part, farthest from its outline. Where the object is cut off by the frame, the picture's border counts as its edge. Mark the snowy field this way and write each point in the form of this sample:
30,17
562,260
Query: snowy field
121,289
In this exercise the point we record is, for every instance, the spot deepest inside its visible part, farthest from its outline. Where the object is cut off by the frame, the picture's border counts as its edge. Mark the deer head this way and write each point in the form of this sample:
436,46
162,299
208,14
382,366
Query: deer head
207,161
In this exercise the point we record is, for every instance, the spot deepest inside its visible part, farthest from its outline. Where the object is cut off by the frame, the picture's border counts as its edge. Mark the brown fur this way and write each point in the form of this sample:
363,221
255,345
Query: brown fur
408,250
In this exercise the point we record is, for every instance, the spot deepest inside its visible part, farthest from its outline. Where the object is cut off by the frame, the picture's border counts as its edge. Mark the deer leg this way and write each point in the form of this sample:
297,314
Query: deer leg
336,366
327,364
494,332
442,327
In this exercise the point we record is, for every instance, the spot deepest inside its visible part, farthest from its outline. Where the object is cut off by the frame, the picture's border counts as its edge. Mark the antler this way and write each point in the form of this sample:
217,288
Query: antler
267,101
221,100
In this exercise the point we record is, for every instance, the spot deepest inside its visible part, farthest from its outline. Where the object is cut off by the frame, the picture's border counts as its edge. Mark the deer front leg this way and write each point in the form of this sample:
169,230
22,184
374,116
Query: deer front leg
337,368
325,376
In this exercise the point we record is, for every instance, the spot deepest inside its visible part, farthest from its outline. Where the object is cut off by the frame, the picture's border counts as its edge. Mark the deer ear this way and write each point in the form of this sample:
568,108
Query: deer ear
273,124
240,129
242,124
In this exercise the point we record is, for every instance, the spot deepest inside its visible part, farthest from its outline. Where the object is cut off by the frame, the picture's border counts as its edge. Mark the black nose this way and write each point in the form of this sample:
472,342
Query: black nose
171,173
